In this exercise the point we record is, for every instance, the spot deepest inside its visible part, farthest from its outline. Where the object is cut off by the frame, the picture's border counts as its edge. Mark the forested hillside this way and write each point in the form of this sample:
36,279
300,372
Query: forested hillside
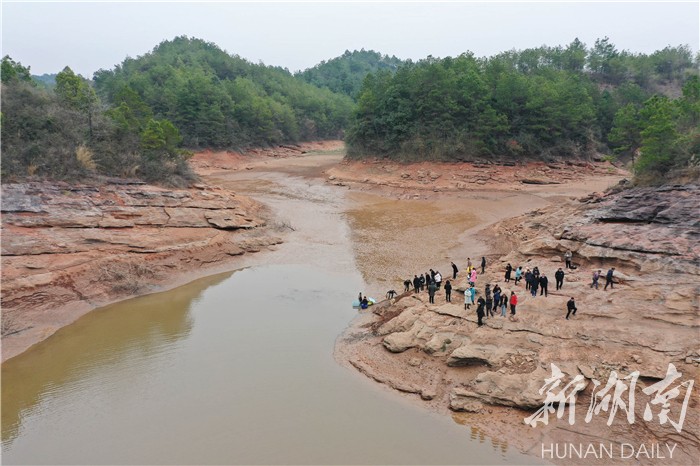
221,100
345,74
546,102
67,133
46,80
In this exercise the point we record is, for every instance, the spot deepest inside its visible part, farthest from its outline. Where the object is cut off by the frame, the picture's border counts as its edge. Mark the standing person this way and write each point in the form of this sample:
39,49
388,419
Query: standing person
534,283
567,258
432,274
469,263
496,297
544,282
416,284
559,276
359,297
448,291
518,274
509,269
528,279
454,271
472,278
570,306
596,277
468,298
483,264
504,304
609,279
480,310
489,301
473,295
432,288
438,279
513,303
427,279
407,285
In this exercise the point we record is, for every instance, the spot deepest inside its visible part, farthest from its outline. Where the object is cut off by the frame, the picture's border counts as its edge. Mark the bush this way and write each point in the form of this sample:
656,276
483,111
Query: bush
127,277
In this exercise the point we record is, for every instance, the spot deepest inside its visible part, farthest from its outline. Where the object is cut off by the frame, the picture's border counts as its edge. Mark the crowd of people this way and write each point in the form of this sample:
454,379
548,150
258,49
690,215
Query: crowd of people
494,300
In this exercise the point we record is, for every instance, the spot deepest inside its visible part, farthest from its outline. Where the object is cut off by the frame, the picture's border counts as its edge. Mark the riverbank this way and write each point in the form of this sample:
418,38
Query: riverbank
69,248
490,377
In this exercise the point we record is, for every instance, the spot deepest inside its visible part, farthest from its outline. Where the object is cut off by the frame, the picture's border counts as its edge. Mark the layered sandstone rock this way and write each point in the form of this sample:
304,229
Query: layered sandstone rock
68,248
465,176
649,320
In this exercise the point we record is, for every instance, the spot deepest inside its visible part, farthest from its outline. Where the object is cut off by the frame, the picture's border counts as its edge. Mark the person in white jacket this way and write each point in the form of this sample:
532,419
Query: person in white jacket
468,298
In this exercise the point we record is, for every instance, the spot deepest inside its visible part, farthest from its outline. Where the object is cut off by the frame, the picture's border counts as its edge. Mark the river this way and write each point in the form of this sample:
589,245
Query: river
235,368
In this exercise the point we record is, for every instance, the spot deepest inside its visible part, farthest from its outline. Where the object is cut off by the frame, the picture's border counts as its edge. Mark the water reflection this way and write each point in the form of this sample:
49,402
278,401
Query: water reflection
233,369
135,331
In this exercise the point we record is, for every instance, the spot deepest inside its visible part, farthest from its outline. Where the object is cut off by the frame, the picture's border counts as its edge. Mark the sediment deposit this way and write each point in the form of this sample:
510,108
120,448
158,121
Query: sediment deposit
492,376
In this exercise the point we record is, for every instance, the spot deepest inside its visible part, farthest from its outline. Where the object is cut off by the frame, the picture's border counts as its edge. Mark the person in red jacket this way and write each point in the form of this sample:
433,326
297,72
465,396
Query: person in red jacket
513,303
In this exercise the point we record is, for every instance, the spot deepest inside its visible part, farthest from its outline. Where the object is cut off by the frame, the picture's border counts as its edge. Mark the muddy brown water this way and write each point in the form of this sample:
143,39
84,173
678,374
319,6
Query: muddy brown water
235,368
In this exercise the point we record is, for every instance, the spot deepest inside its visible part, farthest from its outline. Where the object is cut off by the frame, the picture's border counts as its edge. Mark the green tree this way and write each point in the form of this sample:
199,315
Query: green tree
14,71
660,139
76,92
625,136
671,62
601,56
690,102
160,135
575,56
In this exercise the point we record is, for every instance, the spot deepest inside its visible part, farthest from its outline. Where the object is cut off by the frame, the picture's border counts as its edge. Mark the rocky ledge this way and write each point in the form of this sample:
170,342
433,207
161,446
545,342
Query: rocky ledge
492,377
68,248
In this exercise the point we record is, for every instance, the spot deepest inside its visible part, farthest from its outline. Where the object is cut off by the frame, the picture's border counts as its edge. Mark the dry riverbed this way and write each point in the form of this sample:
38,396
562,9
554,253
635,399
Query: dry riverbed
59,262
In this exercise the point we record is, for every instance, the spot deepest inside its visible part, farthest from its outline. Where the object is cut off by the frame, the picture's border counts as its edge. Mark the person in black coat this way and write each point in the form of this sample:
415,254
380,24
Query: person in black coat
509,269
489,301
570,306
416,284
544,281
483,264
480,310
609,279
559,276
454,271
448,291
534,284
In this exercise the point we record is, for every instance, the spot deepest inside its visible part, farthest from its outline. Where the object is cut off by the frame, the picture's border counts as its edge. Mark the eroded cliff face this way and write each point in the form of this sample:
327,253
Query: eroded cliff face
69,248
491,377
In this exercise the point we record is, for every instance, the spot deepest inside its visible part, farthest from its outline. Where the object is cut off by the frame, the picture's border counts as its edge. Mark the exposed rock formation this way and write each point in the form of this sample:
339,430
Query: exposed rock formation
463,176
650,319
68,248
